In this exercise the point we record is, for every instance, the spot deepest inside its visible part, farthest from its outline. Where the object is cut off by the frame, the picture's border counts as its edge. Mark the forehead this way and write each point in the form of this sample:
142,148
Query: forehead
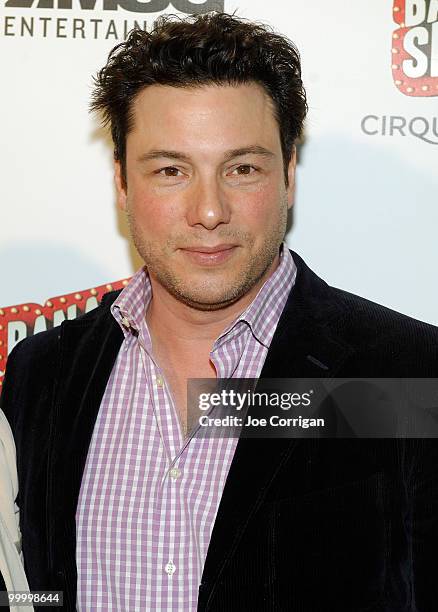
207,115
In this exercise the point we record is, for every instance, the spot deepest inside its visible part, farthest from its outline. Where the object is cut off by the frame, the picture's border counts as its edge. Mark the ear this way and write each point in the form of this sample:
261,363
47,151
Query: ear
120,185
291,178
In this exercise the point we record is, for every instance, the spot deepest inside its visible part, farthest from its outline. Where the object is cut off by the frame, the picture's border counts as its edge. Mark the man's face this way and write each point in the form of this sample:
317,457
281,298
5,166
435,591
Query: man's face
205,192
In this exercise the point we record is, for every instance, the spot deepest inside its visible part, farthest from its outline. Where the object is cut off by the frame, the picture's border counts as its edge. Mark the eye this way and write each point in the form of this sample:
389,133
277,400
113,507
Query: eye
169,171
244,170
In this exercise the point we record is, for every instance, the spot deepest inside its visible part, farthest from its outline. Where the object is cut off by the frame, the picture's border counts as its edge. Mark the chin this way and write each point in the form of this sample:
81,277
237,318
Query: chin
205,300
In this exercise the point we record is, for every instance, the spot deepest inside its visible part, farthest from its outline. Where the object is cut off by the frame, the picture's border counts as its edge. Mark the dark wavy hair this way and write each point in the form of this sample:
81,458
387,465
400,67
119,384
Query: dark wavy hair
214,48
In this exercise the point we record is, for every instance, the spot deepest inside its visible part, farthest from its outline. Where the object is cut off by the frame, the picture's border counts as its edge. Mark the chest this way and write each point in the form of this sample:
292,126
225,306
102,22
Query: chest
183,396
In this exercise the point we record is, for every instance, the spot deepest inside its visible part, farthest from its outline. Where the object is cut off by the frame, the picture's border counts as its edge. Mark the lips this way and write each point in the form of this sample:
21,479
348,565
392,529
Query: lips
210,256
204,249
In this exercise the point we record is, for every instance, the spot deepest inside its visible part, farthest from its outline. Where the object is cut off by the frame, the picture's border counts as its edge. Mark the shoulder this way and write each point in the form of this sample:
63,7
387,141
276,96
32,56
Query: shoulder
380,340
44,345
369,319
34,362
359,316
396,344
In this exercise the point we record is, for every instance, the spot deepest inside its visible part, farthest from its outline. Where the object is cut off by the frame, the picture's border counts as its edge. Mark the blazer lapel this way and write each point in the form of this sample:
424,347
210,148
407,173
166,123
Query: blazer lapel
89,348
303,346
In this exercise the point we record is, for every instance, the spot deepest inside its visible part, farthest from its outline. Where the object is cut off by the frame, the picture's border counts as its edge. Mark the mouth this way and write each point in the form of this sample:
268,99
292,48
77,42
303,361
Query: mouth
210,255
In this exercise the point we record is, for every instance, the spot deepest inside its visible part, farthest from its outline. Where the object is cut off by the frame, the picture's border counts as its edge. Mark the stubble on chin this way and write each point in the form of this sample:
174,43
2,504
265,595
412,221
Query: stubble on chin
210,294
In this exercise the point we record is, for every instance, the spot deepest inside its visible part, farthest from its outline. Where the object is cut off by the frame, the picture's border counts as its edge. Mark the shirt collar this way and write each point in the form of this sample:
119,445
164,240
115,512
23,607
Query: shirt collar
264,311
129,309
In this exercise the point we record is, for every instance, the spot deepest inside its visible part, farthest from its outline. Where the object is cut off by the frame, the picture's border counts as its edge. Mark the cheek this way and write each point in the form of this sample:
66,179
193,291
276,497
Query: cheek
261,209
153,215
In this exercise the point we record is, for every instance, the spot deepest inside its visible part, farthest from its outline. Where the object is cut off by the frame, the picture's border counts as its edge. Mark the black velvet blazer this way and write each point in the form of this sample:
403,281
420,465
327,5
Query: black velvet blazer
328,525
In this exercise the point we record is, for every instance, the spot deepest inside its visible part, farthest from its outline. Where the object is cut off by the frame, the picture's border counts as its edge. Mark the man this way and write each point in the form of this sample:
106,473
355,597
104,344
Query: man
120,509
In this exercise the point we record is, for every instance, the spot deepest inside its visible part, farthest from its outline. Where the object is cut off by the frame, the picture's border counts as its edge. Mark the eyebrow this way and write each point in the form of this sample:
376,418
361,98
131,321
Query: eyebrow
229,155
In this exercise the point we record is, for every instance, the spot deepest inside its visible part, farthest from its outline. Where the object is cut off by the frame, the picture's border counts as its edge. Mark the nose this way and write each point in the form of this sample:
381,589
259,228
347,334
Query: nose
208,205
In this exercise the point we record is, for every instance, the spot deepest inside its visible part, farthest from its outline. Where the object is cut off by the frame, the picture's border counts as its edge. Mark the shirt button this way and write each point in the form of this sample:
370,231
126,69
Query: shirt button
170,568
175,473
159,381
126,323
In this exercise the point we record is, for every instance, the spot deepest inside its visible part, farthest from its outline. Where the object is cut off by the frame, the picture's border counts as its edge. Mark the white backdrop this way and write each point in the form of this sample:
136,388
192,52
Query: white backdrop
366,211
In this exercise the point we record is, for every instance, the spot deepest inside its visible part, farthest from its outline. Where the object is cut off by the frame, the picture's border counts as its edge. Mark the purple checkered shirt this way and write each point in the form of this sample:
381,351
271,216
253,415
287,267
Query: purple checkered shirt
149,496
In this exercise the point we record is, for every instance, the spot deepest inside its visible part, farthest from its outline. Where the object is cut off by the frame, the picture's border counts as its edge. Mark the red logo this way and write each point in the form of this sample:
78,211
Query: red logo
415,47
18,322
